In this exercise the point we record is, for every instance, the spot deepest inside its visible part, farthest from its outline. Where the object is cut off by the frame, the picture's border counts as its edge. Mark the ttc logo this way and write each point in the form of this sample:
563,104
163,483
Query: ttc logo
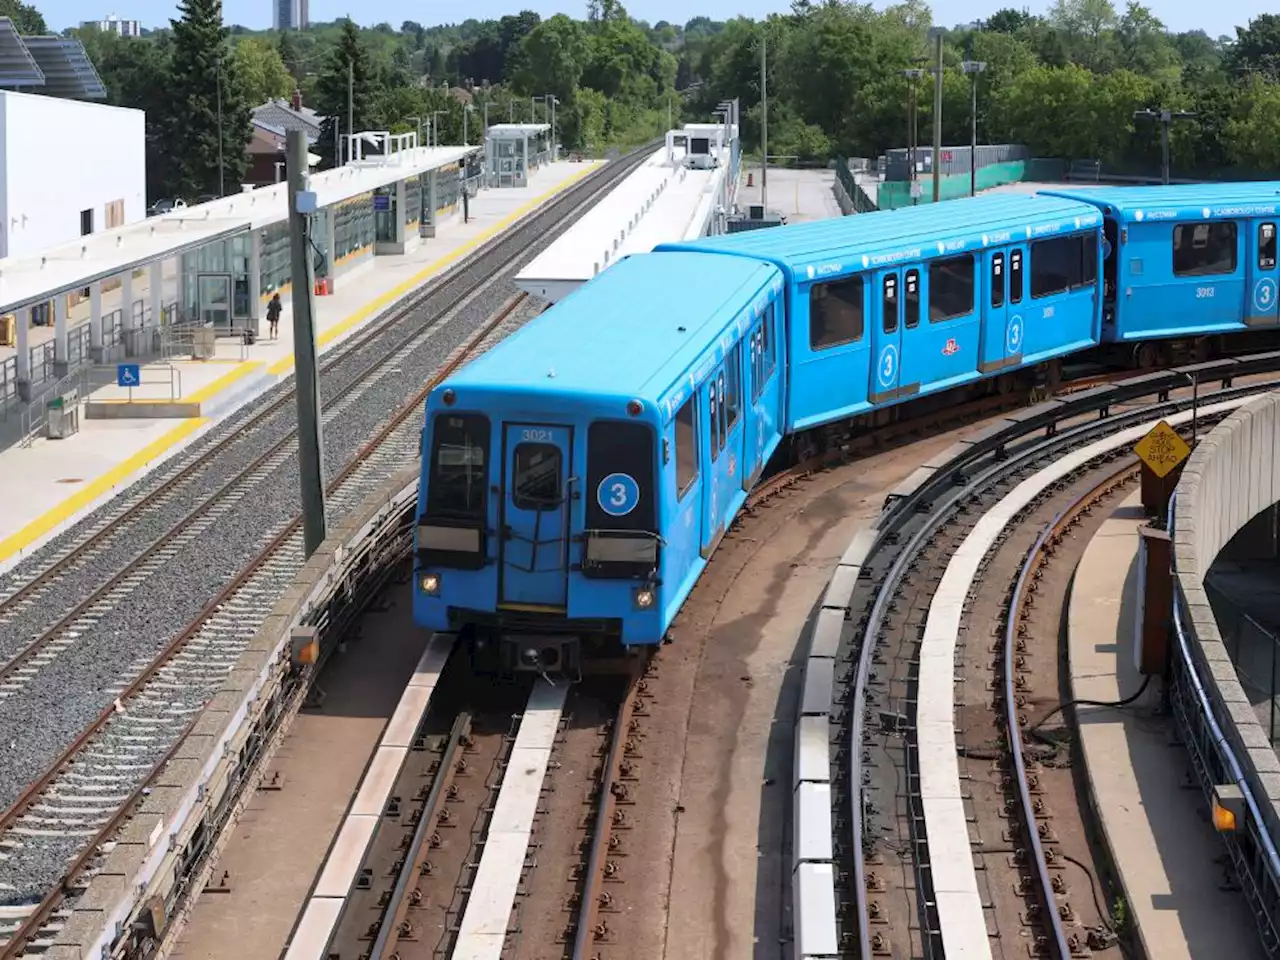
950,347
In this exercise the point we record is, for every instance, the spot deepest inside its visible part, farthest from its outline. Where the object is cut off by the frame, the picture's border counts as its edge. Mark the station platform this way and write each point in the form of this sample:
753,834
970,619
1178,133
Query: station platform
1170,864
48,484
661,201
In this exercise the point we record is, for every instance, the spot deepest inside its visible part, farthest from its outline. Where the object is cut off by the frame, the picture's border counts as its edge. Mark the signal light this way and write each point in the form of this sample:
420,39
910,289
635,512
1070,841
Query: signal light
449,398
644,598
430,584
635,408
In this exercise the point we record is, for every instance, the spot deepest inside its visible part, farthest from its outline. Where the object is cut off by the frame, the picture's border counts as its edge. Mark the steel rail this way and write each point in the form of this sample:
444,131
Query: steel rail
49,903
1037,557
584,936
391,929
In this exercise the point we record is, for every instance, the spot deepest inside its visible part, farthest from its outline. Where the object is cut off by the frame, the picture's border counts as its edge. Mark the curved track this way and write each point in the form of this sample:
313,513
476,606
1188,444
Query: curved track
66,813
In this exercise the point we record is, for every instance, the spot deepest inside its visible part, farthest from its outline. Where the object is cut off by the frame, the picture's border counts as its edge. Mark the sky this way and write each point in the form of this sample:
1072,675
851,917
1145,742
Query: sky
1215,19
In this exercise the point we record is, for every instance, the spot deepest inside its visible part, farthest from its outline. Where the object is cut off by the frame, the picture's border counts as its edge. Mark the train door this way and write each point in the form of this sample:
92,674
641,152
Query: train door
994,310
1260,310
724,447
1015,329
535,515
886,336
763,423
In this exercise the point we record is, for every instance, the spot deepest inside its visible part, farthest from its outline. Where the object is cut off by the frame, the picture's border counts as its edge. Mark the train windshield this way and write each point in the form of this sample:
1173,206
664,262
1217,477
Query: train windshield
459,453
621,514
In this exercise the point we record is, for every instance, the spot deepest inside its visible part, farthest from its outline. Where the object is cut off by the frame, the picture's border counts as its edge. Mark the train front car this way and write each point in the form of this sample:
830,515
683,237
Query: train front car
561,513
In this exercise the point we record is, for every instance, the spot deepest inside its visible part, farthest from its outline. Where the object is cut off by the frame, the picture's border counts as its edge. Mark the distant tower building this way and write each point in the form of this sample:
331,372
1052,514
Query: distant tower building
113,24
290,14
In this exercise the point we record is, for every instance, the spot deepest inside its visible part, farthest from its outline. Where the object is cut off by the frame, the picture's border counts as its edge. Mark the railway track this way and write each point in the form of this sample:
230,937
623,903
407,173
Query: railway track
955,831
510,787
79,800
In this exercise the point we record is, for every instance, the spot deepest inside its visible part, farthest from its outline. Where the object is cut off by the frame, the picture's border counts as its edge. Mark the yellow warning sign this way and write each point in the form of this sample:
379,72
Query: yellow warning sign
1162,449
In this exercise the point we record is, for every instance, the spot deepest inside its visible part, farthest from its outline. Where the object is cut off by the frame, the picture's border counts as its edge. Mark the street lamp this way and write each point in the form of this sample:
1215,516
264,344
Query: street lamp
973,68
435,126
466,109
417,125
912,76
1166,117
936,34
554,102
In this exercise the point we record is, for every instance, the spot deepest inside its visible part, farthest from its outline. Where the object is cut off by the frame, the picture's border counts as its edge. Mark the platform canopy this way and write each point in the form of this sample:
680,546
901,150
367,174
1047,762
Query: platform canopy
72,266
57,66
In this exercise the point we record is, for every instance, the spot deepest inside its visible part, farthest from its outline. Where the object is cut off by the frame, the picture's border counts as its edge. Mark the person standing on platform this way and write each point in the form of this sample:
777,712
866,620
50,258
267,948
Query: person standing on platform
273,316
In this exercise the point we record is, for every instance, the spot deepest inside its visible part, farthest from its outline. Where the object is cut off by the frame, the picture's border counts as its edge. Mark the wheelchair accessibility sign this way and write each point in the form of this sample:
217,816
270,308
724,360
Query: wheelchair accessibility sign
128,375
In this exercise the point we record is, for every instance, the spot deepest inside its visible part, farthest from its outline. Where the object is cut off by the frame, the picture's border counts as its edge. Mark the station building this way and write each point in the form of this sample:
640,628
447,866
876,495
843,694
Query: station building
231,255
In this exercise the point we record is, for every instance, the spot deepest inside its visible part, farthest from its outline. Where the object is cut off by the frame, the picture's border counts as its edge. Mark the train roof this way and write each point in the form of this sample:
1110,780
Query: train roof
633,331
1189,201
845,244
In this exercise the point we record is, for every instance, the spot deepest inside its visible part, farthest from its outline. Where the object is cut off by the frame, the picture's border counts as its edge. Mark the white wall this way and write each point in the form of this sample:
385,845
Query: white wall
61,157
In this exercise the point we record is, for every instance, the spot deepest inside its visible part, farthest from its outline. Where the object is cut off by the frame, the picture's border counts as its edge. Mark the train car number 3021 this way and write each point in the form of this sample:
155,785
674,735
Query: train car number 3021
535,436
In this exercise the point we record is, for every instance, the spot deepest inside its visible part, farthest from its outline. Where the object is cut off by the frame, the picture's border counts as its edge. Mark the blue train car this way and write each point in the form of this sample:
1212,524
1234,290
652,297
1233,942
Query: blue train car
578,475
891,306
1186,261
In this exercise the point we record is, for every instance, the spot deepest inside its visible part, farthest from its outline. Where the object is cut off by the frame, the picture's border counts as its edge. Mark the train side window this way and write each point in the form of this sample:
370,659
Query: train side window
1089,261
686,449
1015,276
535,477
912,303
766,349
950,288
997,280
714,411
1055,266
1267,246
459,454
1204,249
889,304
835,313
723,395
731,387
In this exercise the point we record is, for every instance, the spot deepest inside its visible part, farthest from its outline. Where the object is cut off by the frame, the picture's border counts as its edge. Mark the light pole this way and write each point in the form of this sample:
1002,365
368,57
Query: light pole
466,109
417,125
973,68
554,101
1166,117
936,36
222,189
435,126
912,76
764,128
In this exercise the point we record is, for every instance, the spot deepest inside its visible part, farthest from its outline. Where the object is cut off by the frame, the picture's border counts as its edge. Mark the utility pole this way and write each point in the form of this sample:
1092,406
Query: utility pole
764,128
351,103
1166,117
937,115
912,76
973,68
222,186
307,383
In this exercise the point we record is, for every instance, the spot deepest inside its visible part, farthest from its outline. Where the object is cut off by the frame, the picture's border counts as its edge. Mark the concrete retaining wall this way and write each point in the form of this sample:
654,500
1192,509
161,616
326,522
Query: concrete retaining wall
1233,475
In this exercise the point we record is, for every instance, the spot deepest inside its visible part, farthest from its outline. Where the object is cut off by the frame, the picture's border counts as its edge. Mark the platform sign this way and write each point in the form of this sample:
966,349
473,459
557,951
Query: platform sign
1162,449
128,375
381,201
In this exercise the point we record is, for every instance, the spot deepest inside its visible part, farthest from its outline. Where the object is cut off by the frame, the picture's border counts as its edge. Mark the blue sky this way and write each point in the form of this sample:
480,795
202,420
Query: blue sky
1217,18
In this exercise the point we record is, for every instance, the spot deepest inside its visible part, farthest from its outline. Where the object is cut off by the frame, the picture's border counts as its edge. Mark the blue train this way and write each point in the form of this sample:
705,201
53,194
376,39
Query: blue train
578,476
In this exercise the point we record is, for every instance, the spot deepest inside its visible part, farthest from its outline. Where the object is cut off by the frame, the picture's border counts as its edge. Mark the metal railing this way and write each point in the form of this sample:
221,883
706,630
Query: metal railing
42,360
78,345
104,375
8,386
112,328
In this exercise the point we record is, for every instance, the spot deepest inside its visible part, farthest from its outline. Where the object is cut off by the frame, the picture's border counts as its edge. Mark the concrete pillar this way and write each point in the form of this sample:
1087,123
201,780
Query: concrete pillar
255,281
60,352
429,205
524,173
155,292
96,351
400,201
126,298
22,317
331,244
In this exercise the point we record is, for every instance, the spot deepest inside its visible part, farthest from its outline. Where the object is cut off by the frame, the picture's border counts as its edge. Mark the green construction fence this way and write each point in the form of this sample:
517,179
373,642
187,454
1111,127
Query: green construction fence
897,193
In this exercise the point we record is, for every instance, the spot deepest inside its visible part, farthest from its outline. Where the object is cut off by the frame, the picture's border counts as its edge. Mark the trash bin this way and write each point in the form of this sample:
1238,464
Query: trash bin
63,416
204,343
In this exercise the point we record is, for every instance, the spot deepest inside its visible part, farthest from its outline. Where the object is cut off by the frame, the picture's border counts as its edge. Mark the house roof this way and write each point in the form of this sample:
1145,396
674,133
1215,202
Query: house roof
280,115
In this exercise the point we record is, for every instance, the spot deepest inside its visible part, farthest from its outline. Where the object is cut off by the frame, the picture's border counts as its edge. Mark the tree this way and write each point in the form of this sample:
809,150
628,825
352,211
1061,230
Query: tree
552,57
1257,49
202,72
260,71
287,49
1008,21
347,85
26,18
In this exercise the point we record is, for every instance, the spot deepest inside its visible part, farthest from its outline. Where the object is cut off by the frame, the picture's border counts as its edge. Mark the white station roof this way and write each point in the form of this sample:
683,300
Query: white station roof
72,266
660,202
515,131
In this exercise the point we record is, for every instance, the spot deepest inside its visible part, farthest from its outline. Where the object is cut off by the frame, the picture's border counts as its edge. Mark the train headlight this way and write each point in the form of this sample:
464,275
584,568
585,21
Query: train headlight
429,583
644,598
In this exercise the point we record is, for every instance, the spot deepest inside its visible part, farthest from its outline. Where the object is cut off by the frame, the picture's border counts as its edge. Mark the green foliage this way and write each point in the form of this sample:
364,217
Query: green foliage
345,92
202,77
26,18
261,70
